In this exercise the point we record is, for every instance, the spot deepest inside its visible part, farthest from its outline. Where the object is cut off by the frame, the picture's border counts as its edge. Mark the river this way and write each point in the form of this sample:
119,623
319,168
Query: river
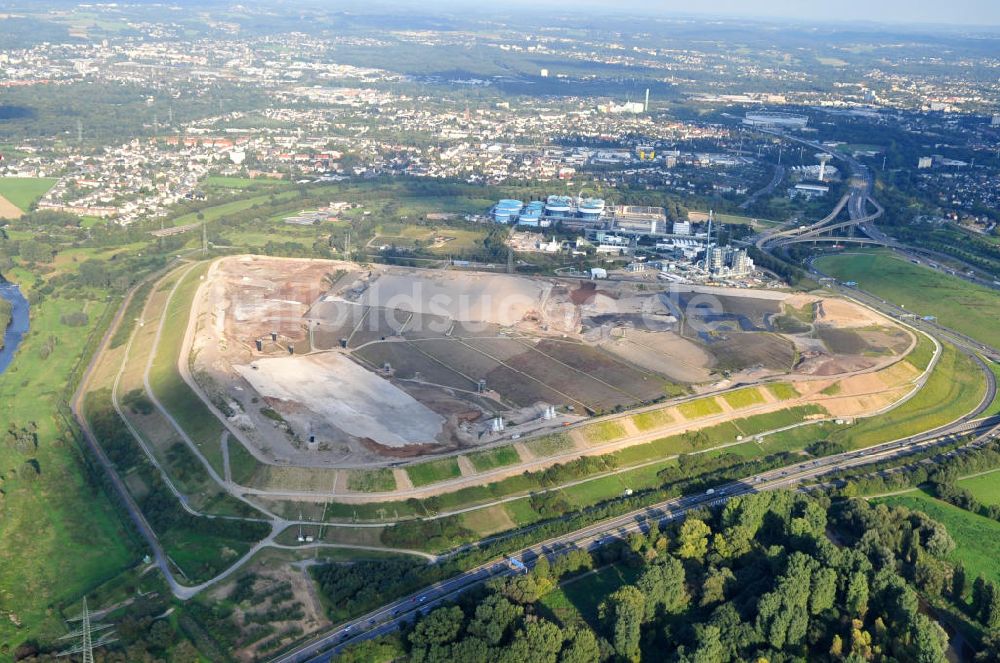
18,325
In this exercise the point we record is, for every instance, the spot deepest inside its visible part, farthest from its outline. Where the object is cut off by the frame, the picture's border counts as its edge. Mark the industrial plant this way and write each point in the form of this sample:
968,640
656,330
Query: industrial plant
643,234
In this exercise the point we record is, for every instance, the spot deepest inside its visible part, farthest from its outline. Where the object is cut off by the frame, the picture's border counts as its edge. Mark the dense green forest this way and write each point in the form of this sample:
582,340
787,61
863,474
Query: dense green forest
770,577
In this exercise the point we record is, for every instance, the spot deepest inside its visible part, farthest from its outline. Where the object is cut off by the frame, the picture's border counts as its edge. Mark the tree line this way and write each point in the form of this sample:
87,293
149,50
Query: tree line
758,579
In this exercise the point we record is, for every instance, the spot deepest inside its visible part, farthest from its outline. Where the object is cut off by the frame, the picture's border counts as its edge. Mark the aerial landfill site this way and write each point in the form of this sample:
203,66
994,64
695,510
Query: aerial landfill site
334,364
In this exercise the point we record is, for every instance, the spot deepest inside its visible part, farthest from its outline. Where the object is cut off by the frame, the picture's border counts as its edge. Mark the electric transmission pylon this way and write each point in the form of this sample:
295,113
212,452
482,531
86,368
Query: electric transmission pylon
85,636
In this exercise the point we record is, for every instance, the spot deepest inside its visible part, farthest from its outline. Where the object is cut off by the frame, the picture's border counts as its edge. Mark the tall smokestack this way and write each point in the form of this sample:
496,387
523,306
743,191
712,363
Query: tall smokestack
823,159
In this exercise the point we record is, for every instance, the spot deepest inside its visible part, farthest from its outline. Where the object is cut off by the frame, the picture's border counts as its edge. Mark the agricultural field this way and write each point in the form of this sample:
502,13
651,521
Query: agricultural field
23,192
958,304
976,536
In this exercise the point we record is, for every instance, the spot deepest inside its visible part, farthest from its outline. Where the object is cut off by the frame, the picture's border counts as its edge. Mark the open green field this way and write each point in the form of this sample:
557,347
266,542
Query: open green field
200,556
23,192
549,445
743,398
455,241
922,353
702,407
433,471
603,431
176,396
831,62
242,183
214,212
653,419
793,439
986,487
51,518
963,306
977,537
575,601
242,463
489,459
379,480
954,388
725,433
734,219
782,391
615,485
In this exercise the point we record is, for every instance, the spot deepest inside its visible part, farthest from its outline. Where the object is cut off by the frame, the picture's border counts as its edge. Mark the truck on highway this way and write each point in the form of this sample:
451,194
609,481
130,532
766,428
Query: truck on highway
516,564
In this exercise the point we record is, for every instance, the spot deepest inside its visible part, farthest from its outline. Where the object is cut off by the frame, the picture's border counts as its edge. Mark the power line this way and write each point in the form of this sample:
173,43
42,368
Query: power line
85,636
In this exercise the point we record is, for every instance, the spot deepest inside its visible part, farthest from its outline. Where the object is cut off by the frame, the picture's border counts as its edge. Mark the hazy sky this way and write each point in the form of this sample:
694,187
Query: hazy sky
969,12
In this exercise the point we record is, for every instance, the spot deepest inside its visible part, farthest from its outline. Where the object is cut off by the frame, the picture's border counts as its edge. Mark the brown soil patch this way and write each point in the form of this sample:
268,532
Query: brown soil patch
9,210
842,313
852,406
584,293
409,451
799,300
665,353
891,340
823,366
